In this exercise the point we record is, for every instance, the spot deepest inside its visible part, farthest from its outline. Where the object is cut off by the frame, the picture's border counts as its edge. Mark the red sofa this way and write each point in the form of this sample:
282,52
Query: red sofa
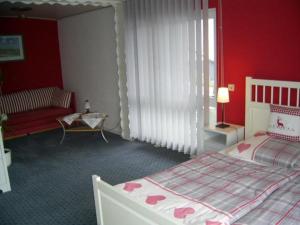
35,110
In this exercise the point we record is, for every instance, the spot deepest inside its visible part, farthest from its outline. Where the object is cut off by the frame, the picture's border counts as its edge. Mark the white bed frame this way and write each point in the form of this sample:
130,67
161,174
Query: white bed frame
115,208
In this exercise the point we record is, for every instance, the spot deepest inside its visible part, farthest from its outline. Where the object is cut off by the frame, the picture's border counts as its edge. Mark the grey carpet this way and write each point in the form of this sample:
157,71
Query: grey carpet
51,183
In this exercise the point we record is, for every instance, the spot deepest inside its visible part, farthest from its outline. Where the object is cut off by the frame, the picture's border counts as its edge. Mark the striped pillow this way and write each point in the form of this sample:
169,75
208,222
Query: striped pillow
16,102
61,98
41,97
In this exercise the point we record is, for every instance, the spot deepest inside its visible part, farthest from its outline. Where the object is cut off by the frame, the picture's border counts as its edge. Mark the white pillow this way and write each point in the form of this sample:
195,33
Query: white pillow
269,151
246,149
284,123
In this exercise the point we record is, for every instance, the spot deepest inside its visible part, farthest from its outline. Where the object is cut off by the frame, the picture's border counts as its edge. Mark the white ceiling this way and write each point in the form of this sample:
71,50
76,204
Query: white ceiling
46,11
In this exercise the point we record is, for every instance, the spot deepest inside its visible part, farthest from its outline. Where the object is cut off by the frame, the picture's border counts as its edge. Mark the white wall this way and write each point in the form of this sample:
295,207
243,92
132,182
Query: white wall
88,57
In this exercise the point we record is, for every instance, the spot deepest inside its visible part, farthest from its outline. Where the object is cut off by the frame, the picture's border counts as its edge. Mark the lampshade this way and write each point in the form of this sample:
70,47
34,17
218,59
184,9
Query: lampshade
223,95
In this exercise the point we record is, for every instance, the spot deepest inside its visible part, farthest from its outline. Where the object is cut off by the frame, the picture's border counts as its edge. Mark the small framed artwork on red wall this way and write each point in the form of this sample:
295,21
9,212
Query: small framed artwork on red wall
11,48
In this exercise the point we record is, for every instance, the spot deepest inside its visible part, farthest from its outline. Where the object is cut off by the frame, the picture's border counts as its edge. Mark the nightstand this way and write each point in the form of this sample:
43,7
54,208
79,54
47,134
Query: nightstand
228,136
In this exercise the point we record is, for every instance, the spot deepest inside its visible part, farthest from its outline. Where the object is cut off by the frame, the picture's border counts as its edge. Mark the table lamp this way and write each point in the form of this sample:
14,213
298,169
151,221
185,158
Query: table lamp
223,97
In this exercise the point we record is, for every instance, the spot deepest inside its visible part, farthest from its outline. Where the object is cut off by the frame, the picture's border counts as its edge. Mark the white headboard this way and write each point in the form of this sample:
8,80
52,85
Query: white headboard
258,110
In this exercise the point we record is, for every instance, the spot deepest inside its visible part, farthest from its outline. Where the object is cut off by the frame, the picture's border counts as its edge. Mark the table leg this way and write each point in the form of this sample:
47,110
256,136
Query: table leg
103,136
64,131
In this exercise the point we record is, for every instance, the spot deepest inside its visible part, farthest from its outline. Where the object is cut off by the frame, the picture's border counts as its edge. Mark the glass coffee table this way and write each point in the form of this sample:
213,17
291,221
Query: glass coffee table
83,122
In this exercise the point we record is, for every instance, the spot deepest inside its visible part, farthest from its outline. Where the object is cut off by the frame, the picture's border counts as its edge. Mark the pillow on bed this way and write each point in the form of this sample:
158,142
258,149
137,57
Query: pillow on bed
284,123
245,149
269,151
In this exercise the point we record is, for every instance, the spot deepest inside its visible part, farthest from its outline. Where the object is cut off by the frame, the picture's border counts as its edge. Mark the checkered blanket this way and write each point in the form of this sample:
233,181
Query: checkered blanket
282,207
278,152
210,189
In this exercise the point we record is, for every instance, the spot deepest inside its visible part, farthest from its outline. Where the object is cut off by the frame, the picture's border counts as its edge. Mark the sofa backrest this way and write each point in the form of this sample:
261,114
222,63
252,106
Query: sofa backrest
15,102
40,98
34,99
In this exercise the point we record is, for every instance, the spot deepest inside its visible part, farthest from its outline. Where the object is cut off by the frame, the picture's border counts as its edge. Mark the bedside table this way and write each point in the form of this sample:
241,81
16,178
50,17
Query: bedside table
230,135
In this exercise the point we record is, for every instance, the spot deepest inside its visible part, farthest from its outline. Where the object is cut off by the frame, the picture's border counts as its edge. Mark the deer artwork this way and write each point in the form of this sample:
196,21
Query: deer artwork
280,124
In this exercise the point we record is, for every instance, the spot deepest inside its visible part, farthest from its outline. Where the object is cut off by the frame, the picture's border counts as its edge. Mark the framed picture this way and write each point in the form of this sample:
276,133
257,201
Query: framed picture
11,48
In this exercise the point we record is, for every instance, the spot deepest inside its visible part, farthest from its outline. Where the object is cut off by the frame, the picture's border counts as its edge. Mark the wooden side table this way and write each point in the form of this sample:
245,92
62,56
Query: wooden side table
232,134
78,125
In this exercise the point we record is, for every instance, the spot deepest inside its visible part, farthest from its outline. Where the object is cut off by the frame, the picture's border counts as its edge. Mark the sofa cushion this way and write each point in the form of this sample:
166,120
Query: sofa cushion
38,114
61,98
40,98
16,102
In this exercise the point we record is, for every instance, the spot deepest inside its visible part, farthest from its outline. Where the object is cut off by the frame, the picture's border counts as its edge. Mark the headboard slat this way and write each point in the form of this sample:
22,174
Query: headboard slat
297,98
289,97
264,94
256,93
272,99
280,95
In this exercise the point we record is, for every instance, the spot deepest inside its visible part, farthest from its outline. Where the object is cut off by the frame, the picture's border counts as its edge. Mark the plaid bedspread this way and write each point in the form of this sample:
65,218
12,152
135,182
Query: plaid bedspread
278,152
224,185
282,207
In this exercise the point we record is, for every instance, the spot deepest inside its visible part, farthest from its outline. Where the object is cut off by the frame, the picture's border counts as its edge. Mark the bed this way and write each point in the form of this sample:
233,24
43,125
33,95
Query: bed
215,189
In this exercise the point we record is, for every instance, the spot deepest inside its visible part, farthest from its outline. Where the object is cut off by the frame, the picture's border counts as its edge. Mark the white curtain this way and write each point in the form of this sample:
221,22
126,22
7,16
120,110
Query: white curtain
164,65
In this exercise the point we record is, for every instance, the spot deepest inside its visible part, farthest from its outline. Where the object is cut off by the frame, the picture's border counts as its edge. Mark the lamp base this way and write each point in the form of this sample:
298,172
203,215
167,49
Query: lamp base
222,125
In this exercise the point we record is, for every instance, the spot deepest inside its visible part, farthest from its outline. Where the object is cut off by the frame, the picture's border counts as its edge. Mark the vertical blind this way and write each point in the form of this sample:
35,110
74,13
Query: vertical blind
165,76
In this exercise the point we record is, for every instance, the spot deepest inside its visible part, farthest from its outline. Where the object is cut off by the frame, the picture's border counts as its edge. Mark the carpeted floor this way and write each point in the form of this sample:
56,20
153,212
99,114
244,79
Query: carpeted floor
51,183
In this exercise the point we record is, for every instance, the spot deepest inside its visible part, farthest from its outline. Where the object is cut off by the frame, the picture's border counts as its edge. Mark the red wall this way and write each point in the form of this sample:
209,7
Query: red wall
41,67
261,38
